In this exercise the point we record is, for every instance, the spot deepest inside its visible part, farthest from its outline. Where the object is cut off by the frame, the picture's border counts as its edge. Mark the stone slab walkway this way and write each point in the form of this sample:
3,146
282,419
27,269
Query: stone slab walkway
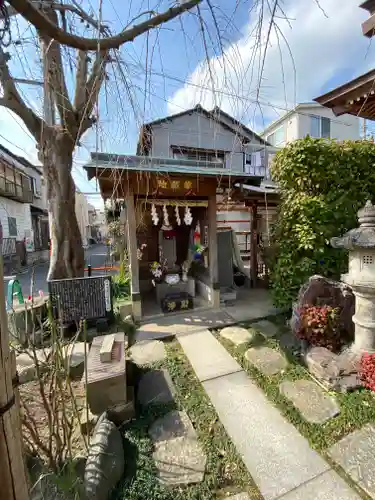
355,454
207,356
278,458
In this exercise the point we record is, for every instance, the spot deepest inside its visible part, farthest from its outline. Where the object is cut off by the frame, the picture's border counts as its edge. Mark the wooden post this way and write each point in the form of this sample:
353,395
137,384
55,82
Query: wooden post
254,244
132,251
13,476
212,246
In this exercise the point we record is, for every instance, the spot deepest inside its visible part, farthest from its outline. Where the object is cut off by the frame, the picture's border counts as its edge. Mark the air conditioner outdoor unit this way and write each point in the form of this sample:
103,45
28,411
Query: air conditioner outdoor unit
77,299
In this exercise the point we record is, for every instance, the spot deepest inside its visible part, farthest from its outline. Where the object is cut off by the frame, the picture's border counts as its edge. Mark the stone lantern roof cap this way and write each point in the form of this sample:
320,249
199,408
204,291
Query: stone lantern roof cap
362,236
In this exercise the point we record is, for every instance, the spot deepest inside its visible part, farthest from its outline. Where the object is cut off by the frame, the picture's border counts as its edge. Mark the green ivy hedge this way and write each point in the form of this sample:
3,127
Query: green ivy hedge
323,184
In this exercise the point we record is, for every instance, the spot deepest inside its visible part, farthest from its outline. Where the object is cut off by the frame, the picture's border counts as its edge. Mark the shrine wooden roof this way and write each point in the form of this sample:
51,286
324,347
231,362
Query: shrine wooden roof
121,173
356,97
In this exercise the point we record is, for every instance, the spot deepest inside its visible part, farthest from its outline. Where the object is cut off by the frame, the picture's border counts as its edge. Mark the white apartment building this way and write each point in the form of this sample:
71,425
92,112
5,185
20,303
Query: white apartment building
314,120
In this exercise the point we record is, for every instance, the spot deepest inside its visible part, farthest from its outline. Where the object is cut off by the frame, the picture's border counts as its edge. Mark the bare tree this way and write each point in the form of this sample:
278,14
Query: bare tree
56,142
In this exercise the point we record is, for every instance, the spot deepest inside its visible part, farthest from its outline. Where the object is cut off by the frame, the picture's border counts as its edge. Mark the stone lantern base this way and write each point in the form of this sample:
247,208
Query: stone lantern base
364,319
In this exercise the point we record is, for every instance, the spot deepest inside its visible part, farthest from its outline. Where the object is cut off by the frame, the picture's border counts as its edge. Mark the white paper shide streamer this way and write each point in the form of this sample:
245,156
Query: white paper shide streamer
188,218
177,213
165,214
154,215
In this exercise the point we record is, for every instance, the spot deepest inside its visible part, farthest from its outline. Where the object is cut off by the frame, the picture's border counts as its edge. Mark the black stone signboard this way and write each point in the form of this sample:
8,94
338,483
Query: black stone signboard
79,299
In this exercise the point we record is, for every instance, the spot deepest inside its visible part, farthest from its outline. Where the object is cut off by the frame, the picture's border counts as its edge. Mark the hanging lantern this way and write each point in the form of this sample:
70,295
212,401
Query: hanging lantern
154,215
177,213
188,218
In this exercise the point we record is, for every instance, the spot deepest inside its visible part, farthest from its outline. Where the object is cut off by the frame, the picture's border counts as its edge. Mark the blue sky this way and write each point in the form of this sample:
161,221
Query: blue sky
310,53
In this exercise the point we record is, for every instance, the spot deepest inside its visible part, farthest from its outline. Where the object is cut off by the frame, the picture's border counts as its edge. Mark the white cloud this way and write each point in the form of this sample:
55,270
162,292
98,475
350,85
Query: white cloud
320,46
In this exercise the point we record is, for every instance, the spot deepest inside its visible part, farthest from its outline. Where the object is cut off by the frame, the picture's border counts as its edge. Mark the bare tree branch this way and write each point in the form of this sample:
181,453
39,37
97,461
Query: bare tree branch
61,7
48,28
81,79
13,100
56,77
93,86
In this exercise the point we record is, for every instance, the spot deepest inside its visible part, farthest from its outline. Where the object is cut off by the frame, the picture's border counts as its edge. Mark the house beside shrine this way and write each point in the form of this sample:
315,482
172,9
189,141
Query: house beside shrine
187,168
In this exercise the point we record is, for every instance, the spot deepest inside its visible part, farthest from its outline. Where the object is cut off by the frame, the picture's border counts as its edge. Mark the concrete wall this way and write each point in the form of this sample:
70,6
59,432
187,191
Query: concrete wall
298,124
196,130
342,127
21,212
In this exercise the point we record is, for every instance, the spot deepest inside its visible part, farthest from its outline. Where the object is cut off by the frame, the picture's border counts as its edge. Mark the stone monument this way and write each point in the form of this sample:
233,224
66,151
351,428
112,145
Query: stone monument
361,276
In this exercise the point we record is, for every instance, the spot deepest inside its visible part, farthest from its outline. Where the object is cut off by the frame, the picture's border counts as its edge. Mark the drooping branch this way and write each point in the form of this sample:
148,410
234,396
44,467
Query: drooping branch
41,22
14,102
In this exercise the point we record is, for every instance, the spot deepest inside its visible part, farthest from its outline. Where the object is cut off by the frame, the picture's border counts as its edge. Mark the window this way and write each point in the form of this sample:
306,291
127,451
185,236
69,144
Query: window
320,126
12,225
277,137
37,186
201,155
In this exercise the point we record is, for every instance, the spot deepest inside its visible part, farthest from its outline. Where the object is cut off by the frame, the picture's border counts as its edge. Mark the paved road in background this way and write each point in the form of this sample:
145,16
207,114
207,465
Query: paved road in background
96,255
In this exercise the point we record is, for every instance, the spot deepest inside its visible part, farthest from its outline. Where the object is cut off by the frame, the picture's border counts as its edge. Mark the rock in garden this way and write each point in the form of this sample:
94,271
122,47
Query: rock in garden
156,387
179,461
267,360
320,291
147,352
237,335
239,496
173,425
26,364
105,461
314,404
338,372
74,358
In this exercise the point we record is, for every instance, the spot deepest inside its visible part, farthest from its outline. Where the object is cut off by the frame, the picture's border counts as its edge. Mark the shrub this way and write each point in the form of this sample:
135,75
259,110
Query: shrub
367,370
322,184
320,326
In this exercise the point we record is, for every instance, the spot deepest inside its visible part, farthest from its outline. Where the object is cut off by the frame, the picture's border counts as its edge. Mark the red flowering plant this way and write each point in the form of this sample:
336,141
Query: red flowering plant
320,326
367,370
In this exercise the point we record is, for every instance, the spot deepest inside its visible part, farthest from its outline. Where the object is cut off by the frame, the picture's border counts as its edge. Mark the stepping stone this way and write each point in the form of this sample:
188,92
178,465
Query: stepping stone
148,352
173,425
240,496
314,404
267,360
179,461
355,454
266,328
156,387
237,335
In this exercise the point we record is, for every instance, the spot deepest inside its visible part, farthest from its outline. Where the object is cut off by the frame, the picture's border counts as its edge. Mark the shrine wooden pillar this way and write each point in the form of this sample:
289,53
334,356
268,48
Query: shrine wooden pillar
213,252
132,252
254,244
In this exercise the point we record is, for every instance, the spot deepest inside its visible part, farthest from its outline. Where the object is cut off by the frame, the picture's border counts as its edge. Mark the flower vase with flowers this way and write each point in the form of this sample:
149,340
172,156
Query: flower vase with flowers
158,271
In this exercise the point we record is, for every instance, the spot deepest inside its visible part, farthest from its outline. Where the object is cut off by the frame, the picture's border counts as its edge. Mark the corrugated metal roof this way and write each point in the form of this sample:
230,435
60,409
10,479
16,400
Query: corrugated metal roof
164,165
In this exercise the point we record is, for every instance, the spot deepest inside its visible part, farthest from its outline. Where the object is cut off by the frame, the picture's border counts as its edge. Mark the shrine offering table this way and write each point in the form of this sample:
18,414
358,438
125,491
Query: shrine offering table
106,382
177,302
163,289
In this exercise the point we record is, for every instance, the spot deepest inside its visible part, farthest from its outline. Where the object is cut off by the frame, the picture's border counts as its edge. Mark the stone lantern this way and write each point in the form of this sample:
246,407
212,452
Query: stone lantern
361,276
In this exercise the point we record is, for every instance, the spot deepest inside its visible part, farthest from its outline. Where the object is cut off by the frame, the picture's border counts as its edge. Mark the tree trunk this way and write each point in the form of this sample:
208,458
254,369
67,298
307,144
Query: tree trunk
67,256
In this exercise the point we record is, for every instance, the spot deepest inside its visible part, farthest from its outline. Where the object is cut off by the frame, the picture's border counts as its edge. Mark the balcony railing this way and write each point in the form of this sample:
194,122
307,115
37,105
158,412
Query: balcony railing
15,191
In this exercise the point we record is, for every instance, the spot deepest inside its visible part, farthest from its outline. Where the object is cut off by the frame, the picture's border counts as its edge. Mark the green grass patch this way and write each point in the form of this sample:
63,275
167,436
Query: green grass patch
225,471
357,408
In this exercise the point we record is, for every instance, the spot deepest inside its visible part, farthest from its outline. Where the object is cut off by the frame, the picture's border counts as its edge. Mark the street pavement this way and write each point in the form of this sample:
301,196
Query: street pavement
96,255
